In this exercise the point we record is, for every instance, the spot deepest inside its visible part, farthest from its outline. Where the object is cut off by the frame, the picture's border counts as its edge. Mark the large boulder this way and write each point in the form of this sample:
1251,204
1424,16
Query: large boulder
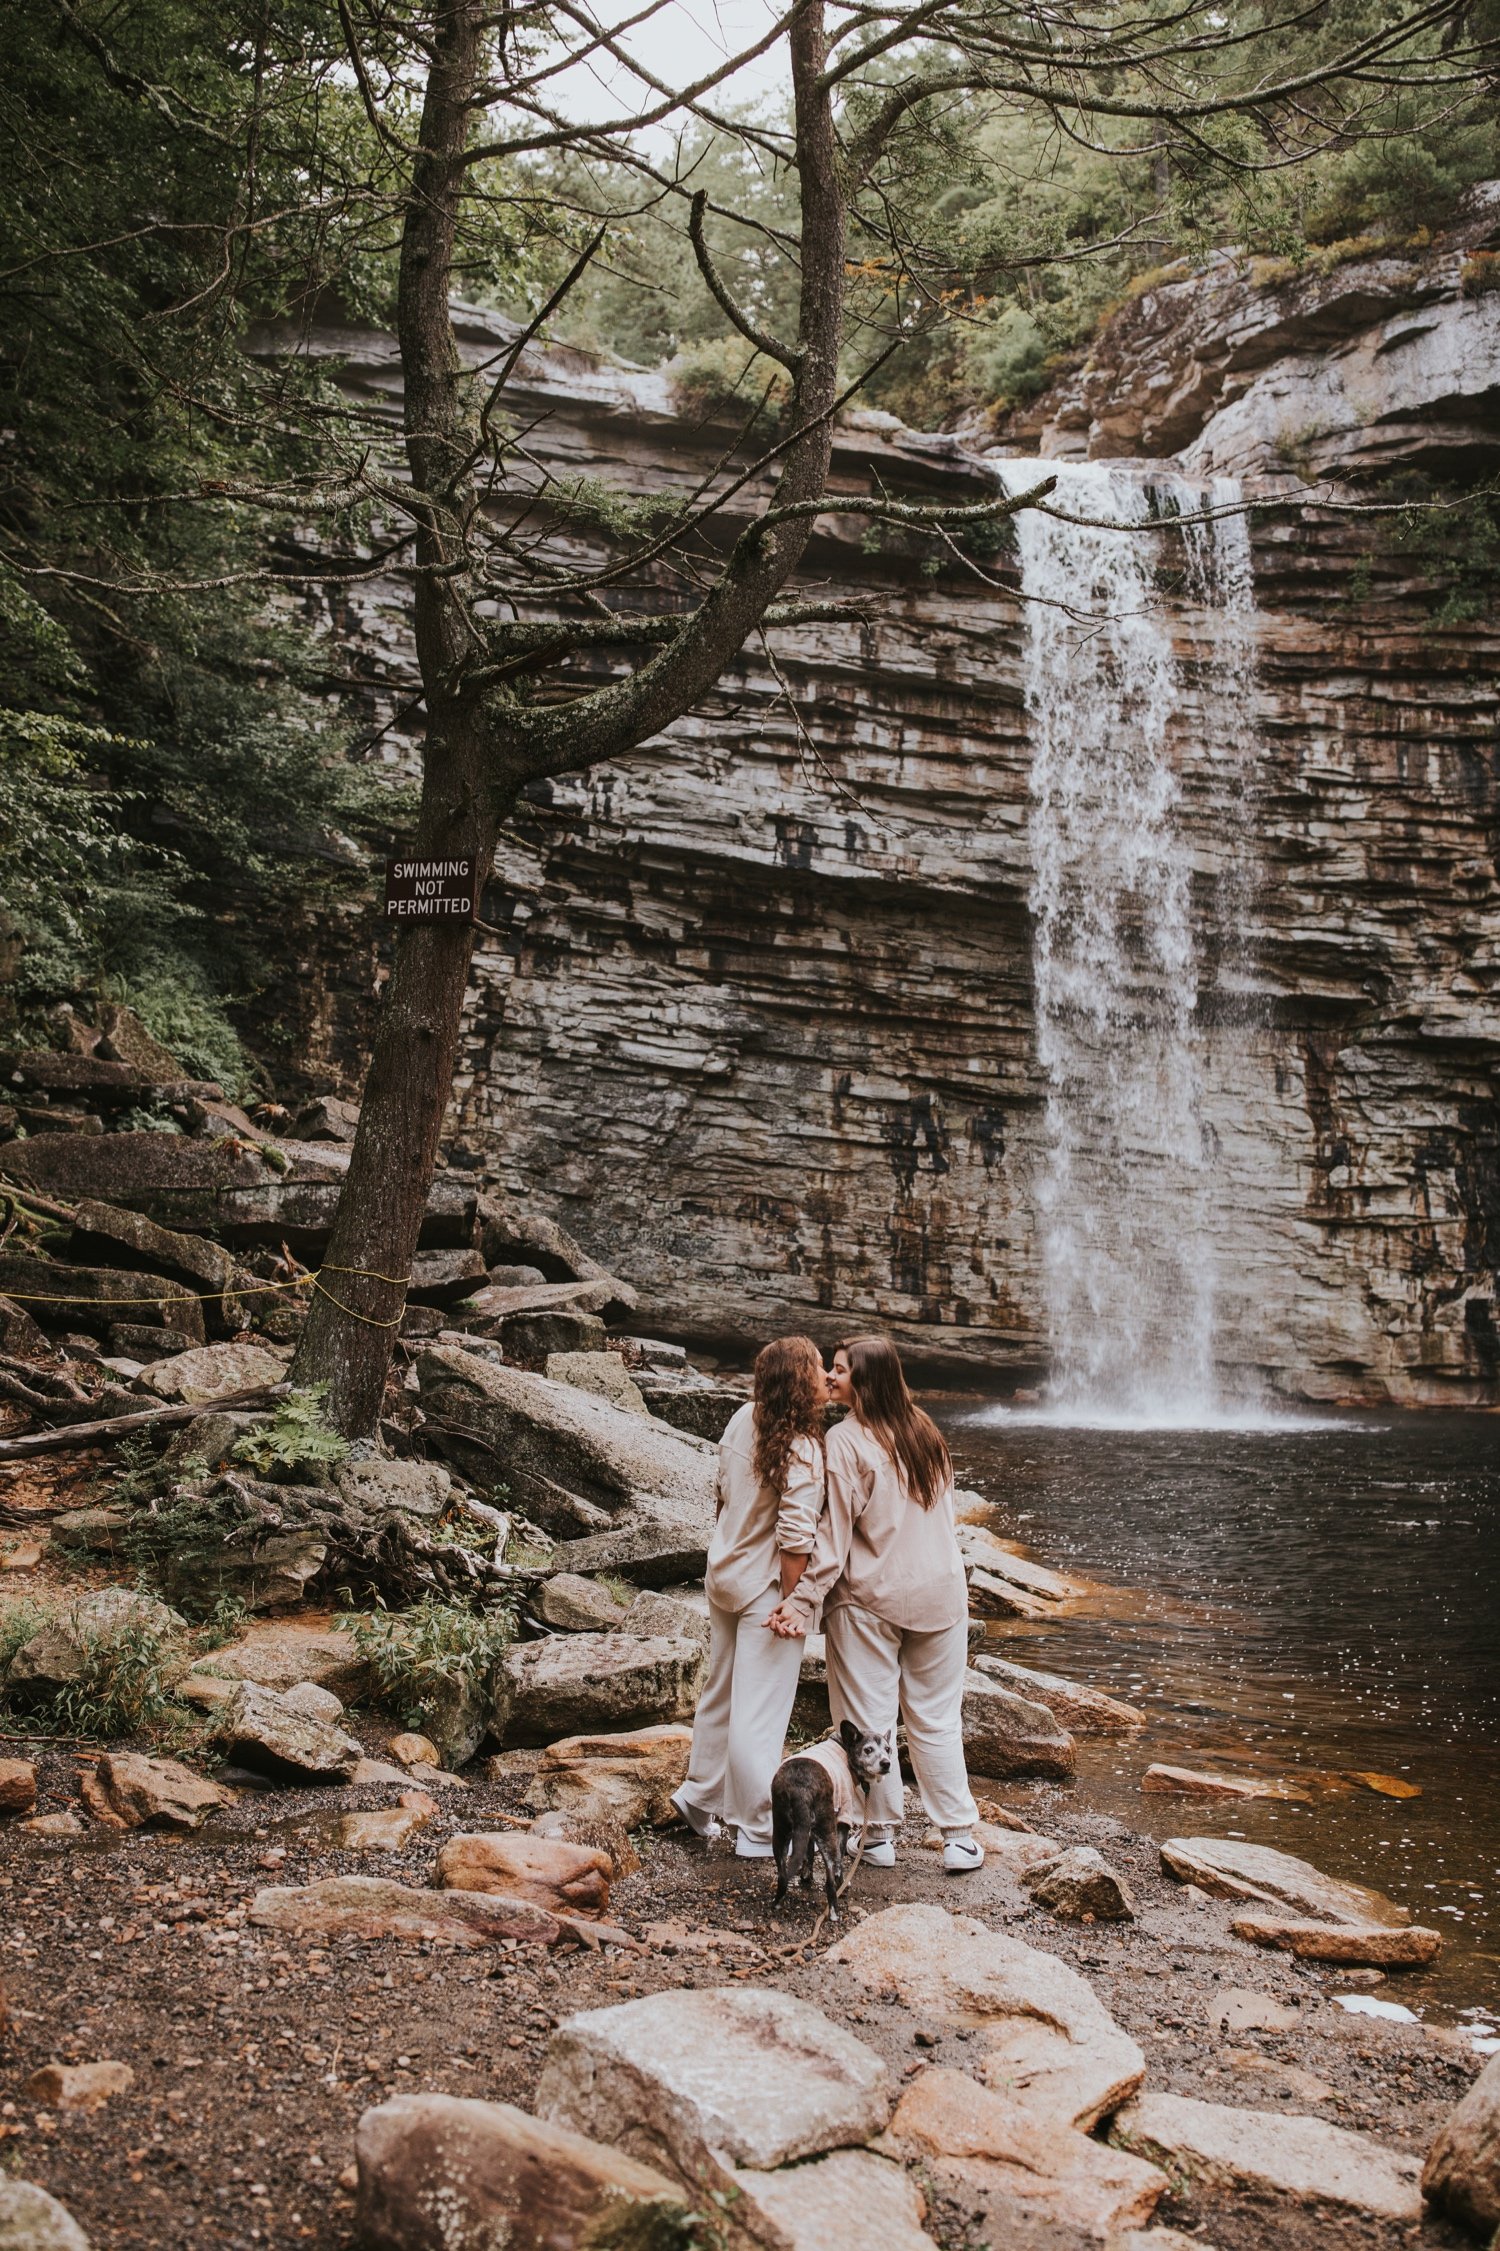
575,1605
983,2140
281,1653
644,1544
573,1684
1083,1711
1006,1735
374,1483
95,1298
440,2171
710,2080
1231,1868
1462,2173
263,1731
214,1371
571,1879
68,1643
31,2220
1220,2149
573,1461
109,1236
624,1778
1047,2040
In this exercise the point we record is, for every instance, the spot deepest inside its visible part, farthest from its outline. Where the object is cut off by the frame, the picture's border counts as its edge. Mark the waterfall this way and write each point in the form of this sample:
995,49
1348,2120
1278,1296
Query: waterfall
1127,1196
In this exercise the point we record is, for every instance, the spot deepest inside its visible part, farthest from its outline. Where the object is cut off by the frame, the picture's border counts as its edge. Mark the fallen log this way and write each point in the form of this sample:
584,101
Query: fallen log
115,1426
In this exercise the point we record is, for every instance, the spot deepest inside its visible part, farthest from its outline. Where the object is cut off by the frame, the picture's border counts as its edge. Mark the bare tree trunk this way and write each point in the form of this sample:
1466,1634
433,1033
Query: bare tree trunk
350,1330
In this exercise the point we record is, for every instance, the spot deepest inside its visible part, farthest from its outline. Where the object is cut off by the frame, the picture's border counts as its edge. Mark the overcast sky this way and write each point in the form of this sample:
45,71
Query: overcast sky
679,44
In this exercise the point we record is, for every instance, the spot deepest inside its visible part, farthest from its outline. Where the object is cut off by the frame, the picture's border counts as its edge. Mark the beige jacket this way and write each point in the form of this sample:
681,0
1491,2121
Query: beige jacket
755,1524
848,1798
879,1549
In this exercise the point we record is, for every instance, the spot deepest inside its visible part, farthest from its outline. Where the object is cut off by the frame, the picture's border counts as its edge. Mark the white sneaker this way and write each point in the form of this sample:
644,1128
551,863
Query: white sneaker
706,1825
747,1848
879,1853
962,1855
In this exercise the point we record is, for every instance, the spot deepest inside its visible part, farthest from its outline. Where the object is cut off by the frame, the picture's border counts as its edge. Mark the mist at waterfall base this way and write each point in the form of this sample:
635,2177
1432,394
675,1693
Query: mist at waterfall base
1139,656
1301,1603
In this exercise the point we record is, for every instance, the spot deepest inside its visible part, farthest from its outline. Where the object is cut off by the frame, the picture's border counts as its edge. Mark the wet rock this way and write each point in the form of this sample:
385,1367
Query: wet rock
1385,1785
128,1791
1046,2039
577,1684
444,1277
1190,1782
439,2170
653,1549
1376,1945
387,1828
996,2145
318,1703
262,1731
570,1879
17,1786
214,1371
415,1488
415,1750
31,2220
577,1605
62,1650
663,1614
371,1907
1217,2150
91,1298
603,1373
79,2086
572,1460
714,2080
1228,1868
1083,1711
628,1777
1006,1735
850,2198
1080,1886
989,1554
108,1236
1462,2173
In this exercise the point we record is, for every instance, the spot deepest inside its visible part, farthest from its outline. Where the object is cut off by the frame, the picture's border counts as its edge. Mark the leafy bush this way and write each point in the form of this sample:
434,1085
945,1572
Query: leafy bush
428,1662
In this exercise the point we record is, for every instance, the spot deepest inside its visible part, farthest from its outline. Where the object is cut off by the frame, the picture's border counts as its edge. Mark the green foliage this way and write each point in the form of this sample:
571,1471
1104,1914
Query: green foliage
294,1444
1453,539
124,1688
422,1658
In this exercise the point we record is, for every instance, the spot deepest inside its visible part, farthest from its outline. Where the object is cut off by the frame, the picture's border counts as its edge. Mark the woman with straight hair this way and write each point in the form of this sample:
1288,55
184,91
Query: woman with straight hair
887,1571
770,1492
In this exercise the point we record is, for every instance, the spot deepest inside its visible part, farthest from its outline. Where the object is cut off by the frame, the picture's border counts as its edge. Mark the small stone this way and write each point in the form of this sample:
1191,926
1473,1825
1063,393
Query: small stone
1230,1868
318,1703
1078,1885
1376,1945
24,1557
387,1828
578,1605
439,2169
1462,2173
1386,1785
370,1771
17,1785
1018,1851
414,1750
1218,2150
262,1731
1238,2010
31,2220
78,2086
1189,1782
127,1791
627,1777
55,1825
204,1690
565,1877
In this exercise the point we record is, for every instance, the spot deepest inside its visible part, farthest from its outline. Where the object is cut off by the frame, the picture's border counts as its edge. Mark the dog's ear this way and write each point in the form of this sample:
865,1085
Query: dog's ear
848,1735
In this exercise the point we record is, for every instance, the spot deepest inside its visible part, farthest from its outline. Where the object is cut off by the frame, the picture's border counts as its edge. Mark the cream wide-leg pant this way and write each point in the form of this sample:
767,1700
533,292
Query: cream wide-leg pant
739,1729
874,1672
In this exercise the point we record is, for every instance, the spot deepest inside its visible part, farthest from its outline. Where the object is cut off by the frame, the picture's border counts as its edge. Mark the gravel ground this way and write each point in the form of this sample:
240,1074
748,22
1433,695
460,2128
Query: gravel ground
254,2056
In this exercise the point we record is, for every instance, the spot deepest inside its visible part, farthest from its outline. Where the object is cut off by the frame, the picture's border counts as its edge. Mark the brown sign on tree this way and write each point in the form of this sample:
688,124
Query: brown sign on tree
429,890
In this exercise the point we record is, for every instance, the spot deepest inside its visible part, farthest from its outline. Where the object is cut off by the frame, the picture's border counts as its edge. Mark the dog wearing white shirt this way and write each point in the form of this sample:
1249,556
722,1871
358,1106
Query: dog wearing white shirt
817,1798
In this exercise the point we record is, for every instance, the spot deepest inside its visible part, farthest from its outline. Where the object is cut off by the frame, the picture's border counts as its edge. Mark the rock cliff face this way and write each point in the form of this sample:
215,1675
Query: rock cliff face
754,1015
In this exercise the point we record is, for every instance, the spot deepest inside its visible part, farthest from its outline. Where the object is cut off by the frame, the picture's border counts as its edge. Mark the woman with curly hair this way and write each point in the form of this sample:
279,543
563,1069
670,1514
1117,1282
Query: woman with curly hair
771,1484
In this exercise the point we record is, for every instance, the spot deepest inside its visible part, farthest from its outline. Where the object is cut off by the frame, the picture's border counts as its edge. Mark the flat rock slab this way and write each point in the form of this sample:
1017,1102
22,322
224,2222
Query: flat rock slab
715,2079
850,2199
992,1555
569,1878
1191,1782
1083,1711
628,1777
1303,2158
1368,1945
127,1791
1005,1735
371,1907
1462,2173
440,2170
94,1298
213,1371
261,1730
280,1655
31,2220
1049,2042
562,1686
412,1488
130,1240
651,1546
998,2146
1232,1869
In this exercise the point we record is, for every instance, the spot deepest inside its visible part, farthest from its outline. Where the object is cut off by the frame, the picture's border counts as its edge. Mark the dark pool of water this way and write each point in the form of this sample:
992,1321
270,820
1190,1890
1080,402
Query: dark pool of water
1310,1600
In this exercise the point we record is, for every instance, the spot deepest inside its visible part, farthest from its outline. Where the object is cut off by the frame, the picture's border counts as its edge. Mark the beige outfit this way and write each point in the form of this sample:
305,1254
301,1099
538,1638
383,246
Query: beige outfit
741,1722
848,1798
890,1578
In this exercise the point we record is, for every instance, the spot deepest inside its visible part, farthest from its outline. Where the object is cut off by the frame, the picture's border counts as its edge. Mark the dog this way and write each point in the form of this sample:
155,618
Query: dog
817,1797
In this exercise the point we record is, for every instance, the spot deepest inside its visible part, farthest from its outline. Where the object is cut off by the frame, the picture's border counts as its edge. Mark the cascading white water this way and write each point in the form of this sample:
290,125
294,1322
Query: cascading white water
1126,1201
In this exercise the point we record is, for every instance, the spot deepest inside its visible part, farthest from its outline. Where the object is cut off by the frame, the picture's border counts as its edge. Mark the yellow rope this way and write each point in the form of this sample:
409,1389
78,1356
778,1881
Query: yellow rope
368,1319
234,1289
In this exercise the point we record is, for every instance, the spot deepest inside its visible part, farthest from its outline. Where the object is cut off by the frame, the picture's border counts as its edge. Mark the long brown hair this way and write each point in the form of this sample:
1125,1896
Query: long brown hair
886,1407
788,1404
